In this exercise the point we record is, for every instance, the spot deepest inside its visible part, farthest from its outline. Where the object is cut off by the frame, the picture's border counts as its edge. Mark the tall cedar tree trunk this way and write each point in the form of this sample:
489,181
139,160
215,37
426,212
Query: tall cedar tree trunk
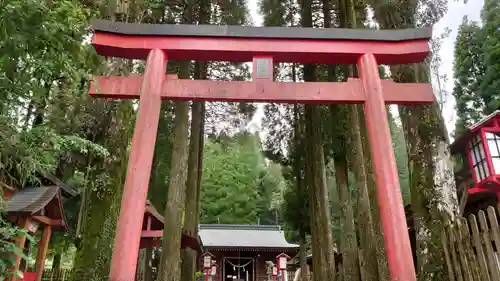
314,213
432,185
141,263
348,241
170,259
195,164
189,255
377,240
355,15
170,263
298,168
148,270
319,203
321,226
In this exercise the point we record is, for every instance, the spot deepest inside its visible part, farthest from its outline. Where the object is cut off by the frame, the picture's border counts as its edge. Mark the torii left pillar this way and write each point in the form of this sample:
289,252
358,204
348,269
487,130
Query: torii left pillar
128,234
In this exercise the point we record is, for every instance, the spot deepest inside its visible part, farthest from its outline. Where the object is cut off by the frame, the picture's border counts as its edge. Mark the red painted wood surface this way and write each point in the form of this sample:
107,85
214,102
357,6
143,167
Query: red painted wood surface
128,232
474,190
27,276
128,87
43,247
390,201
244,49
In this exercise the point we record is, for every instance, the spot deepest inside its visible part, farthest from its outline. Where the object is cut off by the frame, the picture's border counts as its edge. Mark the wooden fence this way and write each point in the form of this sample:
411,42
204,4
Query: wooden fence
472,247
56,275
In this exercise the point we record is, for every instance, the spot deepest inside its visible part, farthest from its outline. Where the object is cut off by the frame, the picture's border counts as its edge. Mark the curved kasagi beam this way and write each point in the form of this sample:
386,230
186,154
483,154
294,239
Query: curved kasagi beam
241,44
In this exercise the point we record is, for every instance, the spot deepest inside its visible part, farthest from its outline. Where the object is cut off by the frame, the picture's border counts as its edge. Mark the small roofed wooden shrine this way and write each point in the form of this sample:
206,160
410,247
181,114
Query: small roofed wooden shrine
241,251
152,231
36,210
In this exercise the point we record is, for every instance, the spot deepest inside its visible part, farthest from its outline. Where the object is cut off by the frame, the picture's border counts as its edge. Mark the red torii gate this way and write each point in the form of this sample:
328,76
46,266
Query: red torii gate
157,43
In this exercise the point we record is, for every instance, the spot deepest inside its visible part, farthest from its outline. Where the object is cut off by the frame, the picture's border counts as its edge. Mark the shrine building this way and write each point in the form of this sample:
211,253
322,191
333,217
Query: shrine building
241,251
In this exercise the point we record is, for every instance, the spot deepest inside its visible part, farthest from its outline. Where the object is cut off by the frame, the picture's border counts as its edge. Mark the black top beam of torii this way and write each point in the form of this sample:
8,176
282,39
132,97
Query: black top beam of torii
234,31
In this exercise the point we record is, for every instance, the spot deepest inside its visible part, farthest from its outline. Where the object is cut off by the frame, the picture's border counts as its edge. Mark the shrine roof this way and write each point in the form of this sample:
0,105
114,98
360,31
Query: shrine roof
190,30
66,190
152,210
31,200
243,236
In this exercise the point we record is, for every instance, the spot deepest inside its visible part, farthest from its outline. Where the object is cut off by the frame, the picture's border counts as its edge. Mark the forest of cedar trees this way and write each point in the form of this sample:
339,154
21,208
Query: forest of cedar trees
233,163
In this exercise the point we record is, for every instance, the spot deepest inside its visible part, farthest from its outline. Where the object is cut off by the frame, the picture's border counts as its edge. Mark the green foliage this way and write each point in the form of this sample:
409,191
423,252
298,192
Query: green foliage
490,86
27,154
9,233
401,155
476,68
468,73
296,206
40,42
237,186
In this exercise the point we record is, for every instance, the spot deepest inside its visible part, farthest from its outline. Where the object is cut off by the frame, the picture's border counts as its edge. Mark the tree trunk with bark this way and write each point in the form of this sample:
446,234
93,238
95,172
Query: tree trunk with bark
432,186
170,262
304,269
369,267
319,199
319,204
189,255
148,271
298,171
171,246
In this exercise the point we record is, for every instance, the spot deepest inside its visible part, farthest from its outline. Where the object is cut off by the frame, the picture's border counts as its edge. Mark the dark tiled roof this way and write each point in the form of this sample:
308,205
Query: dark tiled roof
31,200
243,236
66,189
152,210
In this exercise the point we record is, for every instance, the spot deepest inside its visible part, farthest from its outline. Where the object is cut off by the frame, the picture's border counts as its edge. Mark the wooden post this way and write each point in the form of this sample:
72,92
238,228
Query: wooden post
43,246
397,241
128,230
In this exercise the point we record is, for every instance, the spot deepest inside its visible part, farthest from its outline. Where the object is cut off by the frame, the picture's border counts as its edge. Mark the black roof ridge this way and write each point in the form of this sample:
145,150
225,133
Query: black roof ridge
238,31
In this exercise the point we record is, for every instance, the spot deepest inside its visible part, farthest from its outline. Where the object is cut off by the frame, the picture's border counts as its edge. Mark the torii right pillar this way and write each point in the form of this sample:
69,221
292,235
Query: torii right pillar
386,174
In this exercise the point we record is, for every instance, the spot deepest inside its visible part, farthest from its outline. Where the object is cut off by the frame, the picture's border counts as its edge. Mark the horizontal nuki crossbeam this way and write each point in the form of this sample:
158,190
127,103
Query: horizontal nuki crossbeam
241,44
129,87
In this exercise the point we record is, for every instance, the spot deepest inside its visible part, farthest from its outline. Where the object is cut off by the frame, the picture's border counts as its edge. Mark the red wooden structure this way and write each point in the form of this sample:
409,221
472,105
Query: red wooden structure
152,231
36,210
263,46
480,145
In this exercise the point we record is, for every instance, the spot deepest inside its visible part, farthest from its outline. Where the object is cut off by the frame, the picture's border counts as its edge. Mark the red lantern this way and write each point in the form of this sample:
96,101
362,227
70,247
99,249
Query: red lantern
481,145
